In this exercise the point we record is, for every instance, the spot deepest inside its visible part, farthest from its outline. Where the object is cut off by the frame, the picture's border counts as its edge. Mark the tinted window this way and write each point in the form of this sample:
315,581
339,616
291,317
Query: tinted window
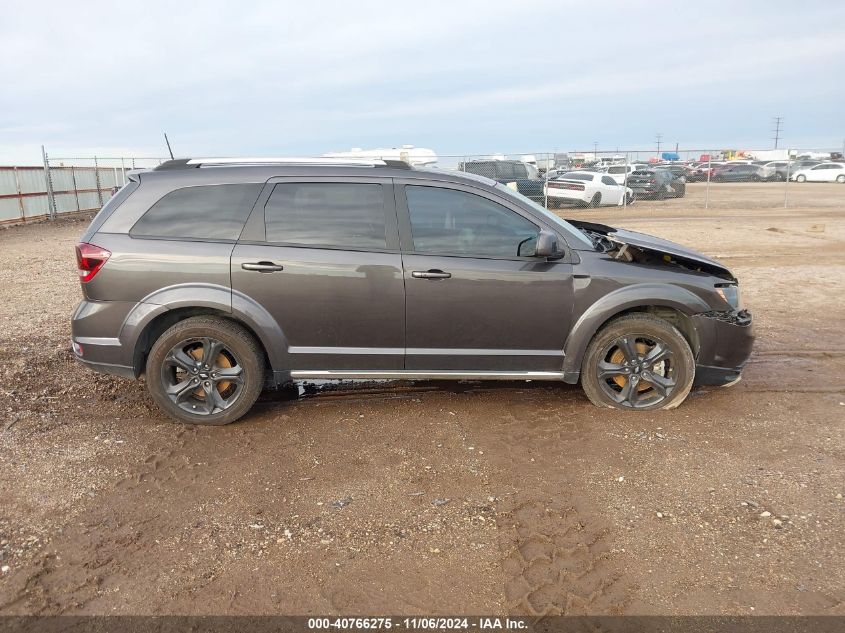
211,212
349,215
578,175
445,221
617,170
482,168
608,180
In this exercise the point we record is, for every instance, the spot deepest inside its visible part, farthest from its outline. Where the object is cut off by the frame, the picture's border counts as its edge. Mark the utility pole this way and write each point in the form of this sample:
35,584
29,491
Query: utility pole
777,130
659,138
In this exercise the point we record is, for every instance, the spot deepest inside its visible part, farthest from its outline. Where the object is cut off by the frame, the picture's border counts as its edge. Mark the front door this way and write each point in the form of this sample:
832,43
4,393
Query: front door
322,256
476,298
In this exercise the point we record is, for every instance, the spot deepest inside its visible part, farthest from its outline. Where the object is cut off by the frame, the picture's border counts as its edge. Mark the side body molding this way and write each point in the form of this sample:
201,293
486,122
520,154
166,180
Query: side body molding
637,295
219,298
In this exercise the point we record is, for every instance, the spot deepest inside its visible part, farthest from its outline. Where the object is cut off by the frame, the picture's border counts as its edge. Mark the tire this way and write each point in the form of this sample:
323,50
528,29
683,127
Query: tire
660,195
755,178
631,198
801,178
629,388
840,178
178,358
595,201
680,193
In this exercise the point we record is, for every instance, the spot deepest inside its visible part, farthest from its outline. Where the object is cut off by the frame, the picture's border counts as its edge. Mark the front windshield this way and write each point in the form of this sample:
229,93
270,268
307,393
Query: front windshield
553,219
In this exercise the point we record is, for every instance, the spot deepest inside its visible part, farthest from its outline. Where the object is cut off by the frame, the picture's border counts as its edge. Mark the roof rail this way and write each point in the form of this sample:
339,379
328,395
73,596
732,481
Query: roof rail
192,163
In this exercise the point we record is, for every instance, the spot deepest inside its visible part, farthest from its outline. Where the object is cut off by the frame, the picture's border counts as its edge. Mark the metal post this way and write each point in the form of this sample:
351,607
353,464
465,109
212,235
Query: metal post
122,171
625,185
786,185
707,190
20,193
48,179
75,187
97,178
546,184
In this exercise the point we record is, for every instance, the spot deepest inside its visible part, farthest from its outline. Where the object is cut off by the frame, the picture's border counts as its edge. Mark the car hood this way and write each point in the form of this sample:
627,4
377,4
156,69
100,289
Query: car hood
656,245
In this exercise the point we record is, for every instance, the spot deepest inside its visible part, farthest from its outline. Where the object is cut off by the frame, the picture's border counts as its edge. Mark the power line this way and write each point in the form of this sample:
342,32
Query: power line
778,120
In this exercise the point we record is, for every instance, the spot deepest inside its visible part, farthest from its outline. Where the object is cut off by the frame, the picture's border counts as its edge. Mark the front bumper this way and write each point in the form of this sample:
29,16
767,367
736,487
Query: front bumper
725,343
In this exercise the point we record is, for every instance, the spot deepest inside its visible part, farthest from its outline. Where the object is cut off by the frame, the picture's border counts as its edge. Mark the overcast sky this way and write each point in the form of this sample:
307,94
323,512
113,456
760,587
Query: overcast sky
294,78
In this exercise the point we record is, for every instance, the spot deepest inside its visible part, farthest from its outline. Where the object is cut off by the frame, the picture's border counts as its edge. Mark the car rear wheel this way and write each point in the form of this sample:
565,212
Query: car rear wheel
595,200
801,178
205,370
638,362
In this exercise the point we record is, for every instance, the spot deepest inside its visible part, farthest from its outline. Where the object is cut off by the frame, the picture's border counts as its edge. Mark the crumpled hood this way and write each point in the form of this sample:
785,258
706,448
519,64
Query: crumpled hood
651,243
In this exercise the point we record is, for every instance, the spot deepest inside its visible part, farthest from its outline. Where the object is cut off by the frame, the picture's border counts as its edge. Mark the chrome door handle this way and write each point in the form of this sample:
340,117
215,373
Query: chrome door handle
262,267
430,274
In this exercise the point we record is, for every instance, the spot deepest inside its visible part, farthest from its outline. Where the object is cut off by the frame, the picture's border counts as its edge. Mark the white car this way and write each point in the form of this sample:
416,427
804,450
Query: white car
586,188
619,172
825,172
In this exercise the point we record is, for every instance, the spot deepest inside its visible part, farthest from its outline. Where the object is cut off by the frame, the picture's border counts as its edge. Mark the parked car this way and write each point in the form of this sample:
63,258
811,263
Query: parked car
657,183
215,278
778,169
677,170
586,188
524,177
700,172
738,172
619,172
825,172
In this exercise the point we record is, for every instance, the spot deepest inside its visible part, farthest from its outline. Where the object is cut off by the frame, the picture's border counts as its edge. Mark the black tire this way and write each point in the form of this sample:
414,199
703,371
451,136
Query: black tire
755,178
233,354
624,383
660,195
595,201
801,178
680,193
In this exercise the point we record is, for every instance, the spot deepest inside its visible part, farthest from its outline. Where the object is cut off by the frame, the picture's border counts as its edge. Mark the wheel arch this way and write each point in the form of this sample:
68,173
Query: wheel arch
671,303
166,307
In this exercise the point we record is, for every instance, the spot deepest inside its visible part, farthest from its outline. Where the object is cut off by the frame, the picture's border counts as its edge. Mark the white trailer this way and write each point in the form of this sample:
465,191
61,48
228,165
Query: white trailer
408,153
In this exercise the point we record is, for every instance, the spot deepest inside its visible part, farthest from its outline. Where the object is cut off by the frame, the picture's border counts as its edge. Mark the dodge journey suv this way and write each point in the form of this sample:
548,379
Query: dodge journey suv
217,278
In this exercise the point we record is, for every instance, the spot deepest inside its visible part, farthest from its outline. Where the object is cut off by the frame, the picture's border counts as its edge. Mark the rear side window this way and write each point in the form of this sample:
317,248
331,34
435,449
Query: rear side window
343,215
210,212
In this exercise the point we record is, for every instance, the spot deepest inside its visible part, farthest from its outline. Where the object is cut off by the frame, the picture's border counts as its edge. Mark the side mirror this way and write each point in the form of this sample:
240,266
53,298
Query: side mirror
546,244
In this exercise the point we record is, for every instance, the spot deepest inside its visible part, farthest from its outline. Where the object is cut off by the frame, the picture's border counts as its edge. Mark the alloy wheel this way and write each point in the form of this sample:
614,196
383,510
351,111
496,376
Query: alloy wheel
637,371
202,376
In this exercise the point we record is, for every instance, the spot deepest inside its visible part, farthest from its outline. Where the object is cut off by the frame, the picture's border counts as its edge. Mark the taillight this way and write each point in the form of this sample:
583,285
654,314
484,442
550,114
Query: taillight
90,260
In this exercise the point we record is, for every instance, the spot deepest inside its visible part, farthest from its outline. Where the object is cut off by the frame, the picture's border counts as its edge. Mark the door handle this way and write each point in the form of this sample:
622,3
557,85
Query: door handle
262,267
430,274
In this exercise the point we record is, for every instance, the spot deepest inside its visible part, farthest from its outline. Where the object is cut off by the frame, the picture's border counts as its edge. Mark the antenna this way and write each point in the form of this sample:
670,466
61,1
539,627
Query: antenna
166,140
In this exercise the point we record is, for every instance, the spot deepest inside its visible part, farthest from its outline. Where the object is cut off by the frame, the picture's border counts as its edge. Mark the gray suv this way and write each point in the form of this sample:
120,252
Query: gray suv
217,278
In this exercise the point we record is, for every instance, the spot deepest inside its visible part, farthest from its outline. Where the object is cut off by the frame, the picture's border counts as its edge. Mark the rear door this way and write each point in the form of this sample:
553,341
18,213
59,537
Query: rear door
476,298
322,256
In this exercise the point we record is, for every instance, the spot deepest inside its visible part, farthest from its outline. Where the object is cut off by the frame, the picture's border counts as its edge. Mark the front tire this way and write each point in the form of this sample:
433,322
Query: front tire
205,370
840,179
638,362
801,178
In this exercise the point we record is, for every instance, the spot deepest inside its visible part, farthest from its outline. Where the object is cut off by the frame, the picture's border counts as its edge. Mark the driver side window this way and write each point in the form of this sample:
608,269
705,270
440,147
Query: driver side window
451,222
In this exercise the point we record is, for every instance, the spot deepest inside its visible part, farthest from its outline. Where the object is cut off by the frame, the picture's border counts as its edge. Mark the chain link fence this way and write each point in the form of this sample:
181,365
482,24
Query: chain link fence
72,185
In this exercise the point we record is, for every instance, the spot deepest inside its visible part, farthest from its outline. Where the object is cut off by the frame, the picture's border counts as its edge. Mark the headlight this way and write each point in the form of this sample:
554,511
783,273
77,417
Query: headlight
730,293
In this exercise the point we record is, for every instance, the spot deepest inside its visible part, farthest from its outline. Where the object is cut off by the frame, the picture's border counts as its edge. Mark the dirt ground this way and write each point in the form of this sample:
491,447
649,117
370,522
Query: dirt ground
443,498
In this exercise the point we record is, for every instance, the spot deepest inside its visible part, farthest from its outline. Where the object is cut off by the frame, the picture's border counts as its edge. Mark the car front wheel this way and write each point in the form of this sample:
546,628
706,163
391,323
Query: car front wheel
841,178
638,362
801,178
205,370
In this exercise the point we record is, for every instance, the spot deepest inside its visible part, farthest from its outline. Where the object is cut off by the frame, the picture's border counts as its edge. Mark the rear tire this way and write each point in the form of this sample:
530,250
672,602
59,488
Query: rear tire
638,362
595,201
205,370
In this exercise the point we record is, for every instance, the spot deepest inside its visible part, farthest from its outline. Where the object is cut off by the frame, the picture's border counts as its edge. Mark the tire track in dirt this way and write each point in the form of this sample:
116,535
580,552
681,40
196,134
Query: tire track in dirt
558,561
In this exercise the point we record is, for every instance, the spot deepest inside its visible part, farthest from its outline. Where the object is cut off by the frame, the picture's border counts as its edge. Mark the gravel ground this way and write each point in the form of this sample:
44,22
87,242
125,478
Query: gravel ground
424,497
